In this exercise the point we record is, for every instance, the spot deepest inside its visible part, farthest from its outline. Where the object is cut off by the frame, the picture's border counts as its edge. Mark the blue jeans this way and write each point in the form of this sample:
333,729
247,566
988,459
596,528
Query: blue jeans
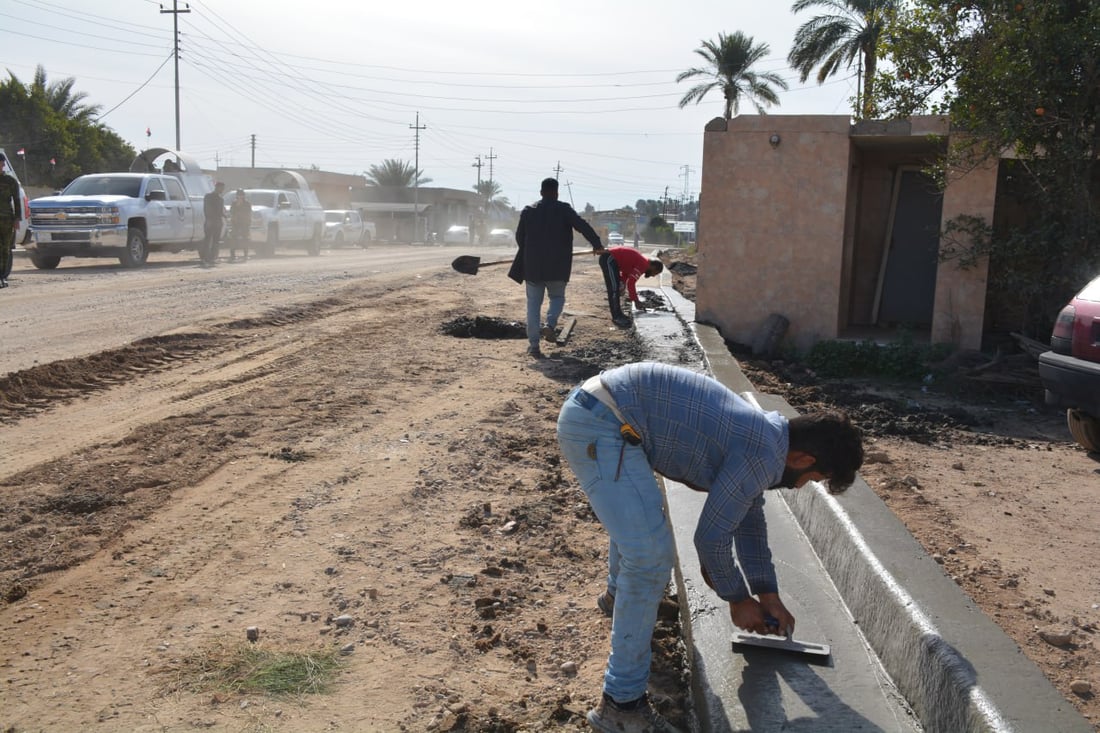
535,290
624,494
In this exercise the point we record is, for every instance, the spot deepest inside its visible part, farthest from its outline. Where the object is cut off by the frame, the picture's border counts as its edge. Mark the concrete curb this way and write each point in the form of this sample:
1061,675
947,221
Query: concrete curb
956,668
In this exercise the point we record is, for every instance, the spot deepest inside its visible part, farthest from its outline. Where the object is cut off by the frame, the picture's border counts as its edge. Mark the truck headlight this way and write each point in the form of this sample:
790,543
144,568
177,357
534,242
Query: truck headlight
110,215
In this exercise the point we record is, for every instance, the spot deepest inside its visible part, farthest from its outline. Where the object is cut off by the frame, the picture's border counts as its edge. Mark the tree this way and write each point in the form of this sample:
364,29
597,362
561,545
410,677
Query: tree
730,62
850,33
398,173
1020,78
51,122
496,206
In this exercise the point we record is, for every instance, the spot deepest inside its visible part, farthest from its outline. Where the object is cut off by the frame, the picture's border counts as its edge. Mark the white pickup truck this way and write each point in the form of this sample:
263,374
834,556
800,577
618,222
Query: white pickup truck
284,211
123,215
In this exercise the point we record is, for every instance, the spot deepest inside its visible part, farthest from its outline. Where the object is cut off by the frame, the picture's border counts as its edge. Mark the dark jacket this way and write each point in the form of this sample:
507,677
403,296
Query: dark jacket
10,205
545,239
213,208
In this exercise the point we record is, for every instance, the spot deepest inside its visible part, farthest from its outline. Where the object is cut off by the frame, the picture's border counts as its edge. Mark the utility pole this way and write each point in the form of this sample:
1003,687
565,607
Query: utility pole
416,176
664,204
687,171
491,158
478,165
253,150
558,170
175,11
569,185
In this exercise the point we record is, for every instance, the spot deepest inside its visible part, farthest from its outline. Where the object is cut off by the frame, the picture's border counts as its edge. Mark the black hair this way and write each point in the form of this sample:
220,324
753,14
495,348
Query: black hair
657,265
548,185
834,442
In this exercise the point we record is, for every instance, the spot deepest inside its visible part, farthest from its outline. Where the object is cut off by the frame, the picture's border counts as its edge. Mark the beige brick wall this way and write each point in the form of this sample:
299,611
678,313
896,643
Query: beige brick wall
772,226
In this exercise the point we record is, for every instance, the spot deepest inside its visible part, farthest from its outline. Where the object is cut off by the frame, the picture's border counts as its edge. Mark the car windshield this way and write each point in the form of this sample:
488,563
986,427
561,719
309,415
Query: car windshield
334,216
256,198
1091,291
104,186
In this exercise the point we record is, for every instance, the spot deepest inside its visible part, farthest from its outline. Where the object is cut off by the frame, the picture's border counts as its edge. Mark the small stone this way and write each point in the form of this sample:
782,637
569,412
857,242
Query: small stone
252,633
937,557
347,649
1056,637
510,527
1048,591
876,457
569,668
958,466
1080,687
343,621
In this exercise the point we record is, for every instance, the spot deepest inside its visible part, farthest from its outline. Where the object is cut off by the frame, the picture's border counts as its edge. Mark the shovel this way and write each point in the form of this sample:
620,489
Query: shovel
812,651
469,264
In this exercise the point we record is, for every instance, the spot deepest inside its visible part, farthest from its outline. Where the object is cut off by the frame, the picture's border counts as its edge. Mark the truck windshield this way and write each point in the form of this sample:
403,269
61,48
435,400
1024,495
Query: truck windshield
104,186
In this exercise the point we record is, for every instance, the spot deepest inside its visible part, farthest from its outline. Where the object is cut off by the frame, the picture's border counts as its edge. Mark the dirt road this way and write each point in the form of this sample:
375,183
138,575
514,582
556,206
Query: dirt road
308,446
323,449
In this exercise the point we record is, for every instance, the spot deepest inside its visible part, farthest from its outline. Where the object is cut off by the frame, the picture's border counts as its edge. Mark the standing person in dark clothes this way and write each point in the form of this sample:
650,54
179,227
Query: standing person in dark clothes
545,259
623,266
11,213
213,211
240,224
617,429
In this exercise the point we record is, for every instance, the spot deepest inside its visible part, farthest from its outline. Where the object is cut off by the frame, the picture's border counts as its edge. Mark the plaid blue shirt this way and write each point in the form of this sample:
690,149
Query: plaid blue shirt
697,431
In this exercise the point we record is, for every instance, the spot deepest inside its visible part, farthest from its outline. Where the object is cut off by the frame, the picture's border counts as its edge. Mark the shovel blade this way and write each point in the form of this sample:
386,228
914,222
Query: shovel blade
466,264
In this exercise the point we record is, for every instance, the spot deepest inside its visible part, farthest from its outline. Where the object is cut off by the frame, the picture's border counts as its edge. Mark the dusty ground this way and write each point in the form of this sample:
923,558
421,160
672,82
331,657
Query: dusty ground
357,456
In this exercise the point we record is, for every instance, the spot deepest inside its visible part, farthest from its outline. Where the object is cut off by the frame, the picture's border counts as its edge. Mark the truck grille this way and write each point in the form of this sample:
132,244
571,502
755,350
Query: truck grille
79,216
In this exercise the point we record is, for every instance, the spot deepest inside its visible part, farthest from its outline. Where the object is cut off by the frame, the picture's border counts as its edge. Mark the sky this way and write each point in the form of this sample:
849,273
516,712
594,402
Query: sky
584,91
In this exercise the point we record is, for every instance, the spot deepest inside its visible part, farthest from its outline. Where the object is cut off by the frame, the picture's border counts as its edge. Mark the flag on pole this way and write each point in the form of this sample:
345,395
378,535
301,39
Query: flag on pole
21,151
148,132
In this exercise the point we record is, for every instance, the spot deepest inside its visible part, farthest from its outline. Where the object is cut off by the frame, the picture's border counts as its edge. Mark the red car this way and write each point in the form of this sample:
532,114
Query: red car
1071,369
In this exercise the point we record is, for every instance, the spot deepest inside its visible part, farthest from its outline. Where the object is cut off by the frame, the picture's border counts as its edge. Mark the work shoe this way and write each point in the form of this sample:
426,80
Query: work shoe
622,321
606,602
610,718
549,333
534,351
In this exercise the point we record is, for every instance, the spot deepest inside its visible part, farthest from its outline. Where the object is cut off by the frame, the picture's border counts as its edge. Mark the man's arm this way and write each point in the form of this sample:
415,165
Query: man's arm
585,229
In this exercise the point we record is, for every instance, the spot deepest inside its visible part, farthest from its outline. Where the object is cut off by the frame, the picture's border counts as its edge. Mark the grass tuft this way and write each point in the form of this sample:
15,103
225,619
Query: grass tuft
254,669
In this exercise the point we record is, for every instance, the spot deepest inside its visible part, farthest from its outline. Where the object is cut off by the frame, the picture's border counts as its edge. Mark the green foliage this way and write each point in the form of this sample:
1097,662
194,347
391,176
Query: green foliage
393,172
729,68
902,359
50,120
1020,76
847,34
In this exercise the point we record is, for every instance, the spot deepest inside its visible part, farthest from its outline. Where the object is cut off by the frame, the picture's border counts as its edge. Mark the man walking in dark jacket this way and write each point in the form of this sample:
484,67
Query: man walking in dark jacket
545,258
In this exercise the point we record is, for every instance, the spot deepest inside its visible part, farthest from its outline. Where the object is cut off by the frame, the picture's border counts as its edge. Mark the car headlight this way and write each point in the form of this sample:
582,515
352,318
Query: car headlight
110,215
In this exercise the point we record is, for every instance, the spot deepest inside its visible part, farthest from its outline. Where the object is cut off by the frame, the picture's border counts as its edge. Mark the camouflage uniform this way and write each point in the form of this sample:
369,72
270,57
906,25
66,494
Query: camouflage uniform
11,212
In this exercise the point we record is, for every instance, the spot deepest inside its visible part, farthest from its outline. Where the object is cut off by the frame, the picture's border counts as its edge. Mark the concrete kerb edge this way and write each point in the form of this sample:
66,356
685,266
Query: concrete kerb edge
925,645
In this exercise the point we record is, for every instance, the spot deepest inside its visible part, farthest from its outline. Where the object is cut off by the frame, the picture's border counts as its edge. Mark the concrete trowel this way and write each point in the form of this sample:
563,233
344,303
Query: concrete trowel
810,650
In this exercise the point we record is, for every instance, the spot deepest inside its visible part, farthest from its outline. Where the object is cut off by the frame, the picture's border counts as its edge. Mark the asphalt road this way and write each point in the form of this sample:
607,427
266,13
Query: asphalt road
88,305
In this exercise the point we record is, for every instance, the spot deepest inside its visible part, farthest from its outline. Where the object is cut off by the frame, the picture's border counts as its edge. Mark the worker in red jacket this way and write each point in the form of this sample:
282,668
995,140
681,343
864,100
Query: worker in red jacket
624,265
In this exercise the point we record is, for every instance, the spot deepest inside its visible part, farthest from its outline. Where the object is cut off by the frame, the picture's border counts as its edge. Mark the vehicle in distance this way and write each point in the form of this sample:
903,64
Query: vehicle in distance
457,234
502,236
1070,371
346,227
123,215
615,239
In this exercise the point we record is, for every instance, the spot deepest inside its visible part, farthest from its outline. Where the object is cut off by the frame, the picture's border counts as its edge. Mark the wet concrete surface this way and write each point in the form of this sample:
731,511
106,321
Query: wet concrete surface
910,651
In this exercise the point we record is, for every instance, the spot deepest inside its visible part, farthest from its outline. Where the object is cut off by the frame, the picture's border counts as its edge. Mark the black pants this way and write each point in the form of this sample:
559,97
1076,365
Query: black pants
610,270
209,251
7,242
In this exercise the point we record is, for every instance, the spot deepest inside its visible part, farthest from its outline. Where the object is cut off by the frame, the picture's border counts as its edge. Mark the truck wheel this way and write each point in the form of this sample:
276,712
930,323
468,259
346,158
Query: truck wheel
137,249
314,245
45,262
1085,429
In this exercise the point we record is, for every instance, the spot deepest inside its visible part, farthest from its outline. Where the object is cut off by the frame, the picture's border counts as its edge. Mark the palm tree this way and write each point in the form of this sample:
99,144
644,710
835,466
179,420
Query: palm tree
730,66
495,204
392,172
59,95
851,29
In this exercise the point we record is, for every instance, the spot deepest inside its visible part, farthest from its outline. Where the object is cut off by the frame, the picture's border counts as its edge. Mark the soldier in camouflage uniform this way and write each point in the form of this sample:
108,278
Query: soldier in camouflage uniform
11,213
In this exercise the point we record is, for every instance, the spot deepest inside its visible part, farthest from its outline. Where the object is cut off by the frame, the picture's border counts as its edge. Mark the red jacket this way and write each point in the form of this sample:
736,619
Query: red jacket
632,265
